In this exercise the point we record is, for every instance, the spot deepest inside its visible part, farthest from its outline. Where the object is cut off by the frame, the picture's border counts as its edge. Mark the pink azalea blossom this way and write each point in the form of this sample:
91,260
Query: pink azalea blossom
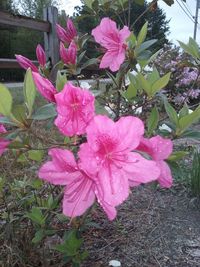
109,150
66,36
41,55
26,63
80,189
75,107
159,149
68,56
3,142
114,41
45,87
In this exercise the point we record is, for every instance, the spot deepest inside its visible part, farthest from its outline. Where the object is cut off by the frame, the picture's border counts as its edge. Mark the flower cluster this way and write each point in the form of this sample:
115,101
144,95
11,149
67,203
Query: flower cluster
112,159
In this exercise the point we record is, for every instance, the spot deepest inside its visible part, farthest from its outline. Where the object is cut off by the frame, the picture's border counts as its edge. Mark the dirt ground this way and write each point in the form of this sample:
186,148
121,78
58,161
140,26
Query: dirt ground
153,228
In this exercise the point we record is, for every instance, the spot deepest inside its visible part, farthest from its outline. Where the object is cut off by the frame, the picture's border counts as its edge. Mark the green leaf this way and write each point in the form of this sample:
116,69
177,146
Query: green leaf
29,91
171,112
145,45
36,216
45,112
153,76
19,112
61,80
39,235
131,91
71,244
92,61
5,120
153,120
146,86
160,84
189,119
35,155
184,111
142,34
191,134
5,101
177,155
139,2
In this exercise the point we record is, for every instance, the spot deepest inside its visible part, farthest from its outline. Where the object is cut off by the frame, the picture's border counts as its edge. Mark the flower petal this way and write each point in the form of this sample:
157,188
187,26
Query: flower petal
78,197
130,130
165,178
62,169
140,170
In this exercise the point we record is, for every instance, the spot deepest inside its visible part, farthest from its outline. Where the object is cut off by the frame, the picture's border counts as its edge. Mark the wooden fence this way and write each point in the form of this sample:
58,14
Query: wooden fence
48,26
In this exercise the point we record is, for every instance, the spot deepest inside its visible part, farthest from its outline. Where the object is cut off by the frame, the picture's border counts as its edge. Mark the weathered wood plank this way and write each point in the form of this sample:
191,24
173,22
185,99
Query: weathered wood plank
22,21
7,63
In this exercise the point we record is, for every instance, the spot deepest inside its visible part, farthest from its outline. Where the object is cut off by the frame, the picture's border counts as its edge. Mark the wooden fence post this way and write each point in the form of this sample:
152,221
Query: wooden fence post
51,42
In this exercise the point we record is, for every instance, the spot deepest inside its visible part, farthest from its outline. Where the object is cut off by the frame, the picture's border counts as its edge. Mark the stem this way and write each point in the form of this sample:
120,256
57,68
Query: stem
143,13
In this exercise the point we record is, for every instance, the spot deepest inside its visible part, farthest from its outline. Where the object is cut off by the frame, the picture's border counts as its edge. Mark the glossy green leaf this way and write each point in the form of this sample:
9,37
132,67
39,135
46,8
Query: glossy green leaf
177,155
142,34
45,112
29,91
61,80
146,86
35,155
153,120
161,83
5,101
189,119
171,112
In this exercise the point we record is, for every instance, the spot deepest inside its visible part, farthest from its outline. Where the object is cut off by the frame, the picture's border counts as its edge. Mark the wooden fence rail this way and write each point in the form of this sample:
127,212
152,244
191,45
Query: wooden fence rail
48,26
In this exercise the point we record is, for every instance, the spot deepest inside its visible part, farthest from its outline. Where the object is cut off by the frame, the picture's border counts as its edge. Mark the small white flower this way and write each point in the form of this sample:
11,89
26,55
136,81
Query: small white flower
165,127
114,263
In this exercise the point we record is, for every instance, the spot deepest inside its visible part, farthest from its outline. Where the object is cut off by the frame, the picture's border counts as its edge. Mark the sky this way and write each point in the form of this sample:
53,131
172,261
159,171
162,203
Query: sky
181,27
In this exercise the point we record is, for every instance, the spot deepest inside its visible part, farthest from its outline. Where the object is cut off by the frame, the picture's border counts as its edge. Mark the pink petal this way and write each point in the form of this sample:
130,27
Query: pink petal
75,109
88,162
165,178
130,130
161,147
41,55
113,185
140,170
124,34
26,63
109,210
116,63
108,29
62,169
78,197
98,127
45,87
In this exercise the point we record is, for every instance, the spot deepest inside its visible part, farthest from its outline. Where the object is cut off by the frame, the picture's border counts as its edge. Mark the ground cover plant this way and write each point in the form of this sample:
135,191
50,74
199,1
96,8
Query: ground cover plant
72,153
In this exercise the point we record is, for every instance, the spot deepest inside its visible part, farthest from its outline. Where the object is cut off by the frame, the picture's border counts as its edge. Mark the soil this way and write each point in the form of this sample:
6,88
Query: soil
153,228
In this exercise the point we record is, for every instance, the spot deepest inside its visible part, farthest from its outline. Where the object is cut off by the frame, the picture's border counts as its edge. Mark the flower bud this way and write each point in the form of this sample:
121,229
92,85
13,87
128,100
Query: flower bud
41,55
26,63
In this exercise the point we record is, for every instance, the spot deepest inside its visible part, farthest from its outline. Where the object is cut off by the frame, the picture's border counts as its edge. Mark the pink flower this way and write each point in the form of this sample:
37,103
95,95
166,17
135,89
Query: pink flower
68,56
45,87
109,150
66,36
75,107
3,142
80,189
114,40
41,55
159,149
26,63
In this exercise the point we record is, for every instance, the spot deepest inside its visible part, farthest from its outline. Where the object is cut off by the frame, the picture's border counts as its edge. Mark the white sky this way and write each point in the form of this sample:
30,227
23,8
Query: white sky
181,26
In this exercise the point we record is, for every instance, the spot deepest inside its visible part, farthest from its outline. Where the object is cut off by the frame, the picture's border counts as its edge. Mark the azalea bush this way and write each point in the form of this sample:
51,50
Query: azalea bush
184,85
108,137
